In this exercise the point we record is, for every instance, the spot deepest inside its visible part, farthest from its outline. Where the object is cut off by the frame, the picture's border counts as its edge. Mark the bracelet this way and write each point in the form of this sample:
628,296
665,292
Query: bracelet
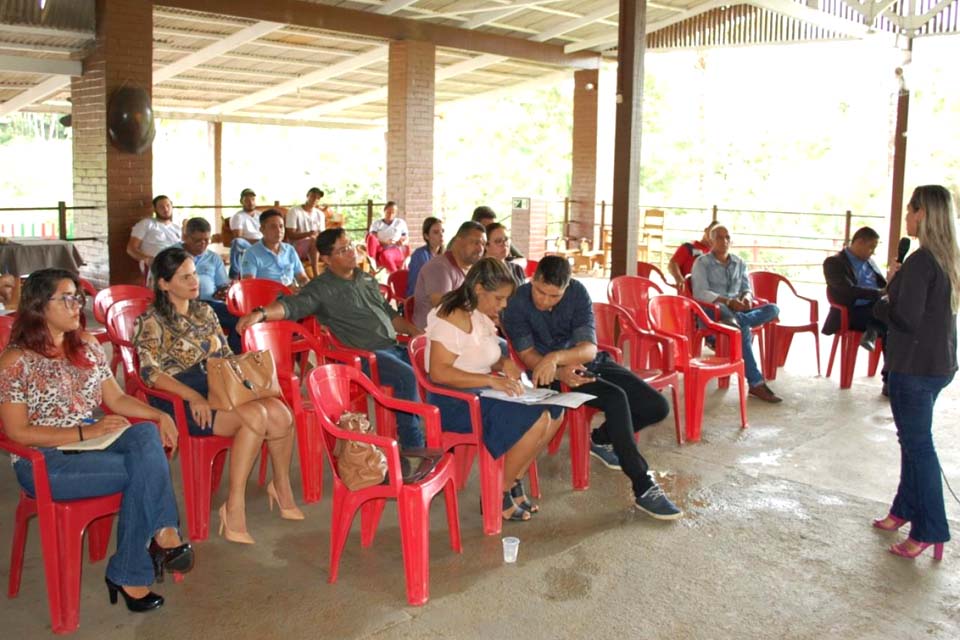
80,431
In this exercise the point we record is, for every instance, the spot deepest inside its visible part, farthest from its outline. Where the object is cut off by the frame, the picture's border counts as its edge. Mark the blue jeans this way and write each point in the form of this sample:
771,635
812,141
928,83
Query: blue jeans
746,320
237,247
919,497
395,371
135,465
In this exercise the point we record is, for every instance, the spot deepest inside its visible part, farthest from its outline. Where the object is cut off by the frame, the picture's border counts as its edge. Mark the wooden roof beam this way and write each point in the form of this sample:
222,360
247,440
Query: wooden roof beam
34,94
368,23
46,66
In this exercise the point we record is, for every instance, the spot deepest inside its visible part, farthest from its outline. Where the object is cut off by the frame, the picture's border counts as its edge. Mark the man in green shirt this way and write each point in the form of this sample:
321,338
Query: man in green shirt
348,302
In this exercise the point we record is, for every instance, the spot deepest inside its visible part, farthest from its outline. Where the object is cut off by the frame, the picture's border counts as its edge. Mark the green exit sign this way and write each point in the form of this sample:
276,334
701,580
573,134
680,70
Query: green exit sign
521,203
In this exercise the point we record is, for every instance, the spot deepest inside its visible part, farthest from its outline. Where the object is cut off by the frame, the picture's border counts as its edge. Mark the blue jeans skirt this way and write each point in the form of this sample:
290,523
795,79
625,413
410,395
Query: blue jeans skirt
196,378
504,423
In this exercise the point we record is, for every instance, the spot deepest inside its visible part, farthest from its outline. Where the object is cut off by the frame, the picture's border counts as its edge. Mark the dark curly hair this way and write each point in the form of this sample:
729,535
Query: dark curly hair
30,328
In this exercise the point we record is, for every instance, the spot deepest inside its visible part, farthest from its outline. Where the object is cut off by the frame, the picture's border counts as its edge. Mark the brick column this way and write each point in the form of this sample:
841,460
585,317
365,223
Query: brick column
583,182
116,186
410,102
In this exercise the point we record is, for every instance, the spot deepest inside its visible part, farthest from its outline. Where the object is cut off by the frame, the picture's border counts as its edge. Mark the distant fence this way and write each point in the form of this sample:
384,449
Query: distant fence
793,243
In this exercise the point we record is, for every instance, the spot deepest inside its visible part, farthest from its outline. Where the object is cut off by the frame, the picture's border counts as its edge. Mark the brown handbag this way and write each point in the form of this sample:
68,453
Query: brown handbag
237,380
359,464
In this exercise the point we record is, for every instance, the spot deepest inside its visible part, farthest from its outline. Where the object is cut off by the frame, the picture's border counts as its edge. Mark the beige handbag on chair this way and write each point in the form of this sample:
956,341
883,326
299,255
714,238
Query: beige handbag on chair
237,380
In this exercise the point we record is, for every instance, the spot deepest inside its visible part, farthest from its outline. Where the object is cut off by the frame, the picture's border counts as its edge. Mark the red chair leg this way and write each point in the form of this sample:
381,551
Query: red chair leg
370,514
344,509
534,474
26,508
491,492
462,463
580,449
310,447
453,515
693,401
742,385
833,352
98,537
848,358
414,510
816,342
874,359
676,413
71,559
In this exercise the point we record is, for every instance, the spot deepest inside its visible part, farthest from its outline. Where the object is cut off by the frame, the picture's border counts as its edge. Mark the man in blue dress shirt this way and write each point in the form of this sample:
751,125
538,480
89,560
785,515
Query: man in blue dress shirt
550,323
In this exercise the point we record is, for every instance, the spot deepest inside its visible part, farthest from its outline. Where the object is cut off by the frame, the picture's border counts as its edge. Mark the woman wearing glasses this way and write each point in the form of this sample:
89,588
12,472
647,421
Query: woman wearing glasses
174,339
53,378
920,312
498,246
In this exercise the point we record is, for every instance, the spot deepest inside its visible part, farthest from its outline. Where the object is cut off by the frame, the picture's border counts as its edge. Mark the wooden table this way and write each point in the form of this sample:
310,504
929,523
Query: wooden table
24,256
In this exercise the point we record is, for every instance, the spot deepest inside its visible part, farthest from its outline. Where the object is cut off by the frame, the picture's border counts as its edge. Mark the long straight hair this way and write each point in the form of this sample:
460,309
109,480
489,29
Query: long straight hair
165,265
937,233
489,273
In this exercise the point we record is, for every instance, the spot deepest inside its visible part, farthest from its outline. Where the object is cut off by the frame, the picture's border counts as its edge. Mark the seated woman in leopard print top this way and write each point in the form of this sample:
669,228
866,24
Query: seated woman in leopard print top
173,340
53,378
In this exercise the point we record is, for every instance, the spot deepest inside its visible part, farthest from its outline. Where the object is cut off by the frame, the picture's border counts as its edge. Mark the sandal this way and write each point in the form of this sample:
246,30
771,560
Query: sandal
520,498
518,513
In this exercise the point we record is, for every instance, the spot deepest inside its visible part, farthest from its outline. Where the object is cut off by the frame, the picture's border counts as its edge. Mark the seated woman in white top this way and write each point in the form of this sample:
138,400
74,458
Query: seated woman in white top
463,352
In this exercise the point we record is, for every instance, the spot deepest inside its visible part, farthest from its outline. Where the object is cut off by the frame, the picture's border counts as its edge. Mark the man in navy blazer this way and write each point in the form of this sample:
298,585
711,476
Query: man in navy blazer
856,282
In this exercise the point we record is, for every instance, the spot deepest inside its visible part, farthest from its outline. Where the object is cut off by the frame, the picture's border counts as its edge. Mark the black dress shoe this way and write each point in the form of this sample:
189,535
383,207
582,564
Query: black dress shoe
137,605
869,339
176,559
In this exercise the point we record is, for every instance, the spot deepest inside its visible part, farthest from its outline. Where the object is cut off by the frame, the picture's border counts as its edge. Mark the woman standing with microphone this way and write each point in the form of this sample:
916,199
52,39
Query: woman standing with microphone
921,316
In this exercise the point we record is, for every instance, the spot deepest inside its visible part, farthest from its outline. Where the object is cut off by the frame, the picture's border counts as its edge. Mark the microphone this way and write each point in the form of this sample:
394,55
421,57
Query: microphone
902,249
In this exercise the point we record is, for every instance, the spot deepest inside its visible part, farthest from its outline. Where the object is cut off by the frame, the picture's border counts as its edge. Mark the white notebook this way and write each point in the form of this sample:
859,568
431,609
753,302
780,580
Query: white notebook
94,444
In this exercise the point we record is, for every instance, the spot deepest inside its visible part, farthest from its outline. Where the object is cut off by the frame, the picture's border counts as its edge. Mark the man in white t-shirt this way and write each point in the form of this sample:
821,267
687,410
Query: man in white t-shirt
152,235
386,240
246,228
303,225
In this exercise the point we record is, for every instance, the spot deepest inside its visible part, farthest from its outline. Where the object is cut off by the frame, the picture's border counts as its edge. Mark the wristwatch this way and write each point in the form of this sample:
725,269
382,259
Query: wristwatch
263,313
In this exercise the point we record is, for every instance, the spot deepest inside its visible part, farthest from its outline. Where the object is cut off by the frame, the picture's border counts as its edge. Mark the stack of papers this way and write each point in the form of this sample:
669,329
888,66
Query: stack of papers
531,395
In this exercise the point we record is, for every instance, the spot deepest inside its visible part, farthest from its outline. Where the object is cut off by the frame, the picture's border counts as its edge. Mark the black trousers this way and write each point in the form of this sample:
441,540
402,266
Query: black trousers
630,404
861,318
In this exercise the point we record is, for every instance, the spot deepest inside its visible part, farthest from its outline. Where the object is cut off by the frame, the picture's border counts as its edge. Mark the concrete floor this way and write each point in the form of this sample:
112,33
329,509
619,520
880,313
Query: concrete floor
776,543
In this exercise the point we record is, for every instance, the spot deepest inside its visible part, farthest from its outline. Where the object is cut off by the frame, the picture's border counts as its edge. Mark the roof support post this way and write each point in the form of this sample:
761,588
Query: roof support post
411,86
626,154
583,174
899,166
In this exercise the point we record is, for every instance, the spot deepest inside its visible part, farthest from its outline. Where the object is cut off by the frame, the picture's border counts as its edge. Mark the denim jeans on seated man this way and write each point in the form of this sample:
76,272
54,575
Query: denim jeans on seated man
237,248
396,372
747,320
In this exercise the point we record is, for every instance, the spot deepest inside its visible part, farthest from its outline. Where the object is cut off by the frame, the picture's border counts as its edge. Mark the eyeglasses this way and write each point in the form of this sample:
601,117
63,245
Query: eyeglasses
500,241
344,250
71,301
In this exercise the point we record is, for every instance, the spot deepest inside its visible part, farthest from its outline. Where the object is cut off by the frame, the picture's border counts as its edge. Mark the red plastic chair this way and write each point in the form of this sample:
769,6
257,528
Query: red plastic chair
106,298
778,336
244,296
647,270
278,338
849,341
330,389
201,458
651,355
633,293
467,445
397,286
62,525
530,268
676,317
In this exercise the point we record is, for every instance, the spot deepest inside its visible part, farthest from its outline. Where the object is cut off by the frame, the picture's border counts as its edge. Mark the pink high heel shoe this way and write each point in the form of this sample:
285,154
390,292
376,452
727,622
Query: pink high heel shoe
293,513
901,549
889,523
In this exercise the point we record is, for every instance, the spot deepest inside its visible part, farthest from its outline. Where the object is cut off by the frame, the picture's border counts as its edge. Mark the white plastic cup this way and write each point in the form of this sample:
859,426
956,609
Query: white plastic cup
511,547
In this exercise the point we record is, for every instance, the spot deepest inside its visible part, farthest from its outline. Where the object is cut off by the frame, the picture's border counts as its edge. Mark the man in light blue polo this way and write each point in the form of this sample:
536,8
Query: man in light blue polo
721,278
212,276
271,258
